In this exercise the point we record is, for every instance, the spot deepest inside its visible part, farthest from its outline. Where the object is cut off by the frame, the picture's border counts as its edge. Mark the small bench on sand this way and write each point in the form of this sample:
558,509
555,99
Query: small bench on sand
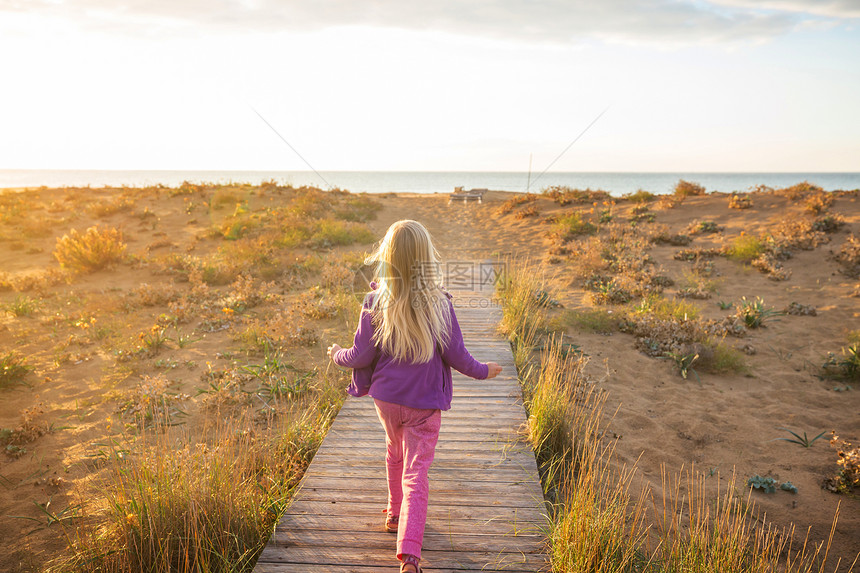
460,193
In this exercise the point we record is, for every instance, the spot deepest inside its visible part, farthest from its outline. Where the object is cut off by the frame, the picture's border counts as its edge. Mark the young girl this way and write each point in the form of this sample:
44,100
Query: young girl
409,336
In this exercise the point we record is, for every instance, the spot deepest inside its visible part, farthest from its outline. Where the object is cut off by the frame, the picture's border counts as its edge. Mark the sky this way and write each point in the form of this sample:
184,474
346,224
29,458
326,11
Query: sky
471,85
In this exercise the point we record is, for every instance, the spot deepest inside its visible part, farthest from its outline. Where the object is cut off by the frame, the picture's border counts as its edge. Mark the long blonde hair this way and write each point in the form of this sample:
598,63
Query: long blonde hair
410,310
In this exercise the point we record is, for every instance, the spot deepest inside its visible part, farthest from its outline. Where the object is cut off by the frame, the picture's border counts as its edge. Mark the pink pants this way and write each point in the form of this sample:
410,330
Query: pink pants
410,436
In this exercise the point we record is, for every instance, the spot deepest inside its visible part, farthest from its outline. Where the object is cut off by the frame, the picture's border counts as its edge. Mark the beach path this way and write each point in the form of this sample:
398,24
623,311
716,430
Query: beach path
486,508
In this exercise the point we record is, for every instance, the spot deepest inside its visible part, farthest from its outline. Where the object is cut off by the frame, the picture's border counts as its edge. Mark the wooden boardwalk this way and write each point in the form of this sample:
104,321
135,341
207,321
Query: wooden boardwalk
486,508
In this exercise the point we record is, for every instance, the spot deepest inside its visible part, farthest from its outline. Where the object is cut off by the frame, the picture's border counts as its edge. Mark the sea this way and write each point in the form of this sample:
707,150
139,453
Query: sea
616,183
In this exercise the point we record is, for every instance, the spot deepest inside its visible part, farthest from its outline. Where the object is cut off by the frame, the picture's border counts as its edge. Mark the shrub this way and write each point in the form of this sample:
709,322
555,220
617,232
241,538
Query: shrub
738,201
641,196
564,195
595,320
668,309
688,188
799,190
515,202
849,257
745,248
89,251
848,460
568,226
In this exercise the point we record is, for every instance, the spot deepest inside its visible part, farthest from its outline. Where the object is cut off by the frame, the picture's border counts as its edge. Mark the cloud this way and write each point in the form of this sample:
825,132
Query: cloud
549,21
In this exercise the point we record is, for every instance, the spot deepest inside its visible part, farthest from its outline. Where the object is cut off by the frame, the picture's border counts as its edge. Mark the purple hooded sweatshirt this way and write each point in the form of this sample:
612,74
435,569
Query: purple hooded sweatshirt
425,385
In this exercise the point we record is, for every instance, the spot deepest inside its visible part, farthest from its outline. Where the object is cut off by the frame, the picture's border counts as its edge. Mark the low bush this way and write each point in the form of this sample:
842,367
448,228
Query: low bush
688,189
571,225
89,251
745,248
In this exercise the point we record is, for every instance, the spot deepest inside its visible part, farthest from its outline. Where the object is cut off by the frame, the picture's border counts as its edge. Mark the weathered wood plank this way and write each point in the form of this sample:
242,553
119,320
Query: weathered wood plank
432,541
432,559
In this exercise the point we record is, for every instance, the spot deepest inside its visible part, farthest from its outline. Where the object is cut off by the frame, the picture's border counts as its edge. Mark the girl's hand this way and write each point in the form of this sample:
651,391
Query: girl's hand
493,370
332,349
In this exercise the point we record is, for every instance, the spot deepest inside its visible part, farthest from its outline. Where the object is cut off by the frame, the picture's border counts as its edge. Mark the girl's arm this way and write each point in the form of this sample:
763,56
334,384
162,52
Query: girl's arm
458,357
363,350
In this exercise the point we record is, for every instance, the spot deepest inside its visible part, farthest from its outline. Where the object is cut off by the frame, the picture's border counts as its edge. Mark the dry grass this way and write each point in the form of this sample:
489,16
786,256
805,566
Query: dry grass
598,523
90,251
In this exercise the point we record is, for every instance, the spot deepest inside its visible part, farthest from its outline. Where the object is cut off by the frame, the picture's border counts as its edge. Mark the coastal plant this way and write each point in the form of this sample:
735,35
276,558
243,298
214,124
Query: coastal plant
90,251
688,189
684,362
765,484
596,320
530,211
740,201
804,440
570,225
754,313
847,480
154,339
718,357
596,524
13,369
175,504
22,306
703,227
798,190
663,308
725,305
744,248
640,196
818,202
515,202
848,257
564,195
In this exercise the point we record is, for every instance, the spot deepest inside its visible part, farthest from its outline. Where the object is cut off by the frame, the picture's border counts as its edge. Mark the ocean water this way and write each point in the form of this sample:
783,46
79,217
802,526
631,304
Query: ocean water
428,181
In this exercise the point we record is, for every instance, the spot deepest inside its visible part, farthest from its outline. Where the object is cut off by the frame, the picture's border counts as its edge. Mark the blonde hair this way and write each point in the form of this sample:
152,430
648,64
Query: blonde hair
410,311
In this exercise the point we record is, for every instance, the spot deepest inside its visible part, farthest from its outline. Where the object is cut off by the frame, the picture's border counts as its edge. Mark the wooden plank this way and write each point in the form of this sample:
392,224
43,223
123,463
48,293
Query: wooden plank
431,559
370,523
521,497
378,483
432,541
436,511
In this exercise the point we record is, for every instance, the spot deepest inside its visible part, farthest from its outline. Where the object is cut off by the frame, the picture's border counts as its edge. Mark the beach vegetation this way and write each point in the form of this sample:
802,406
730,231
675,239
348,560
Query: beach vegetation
13,369
596,320
598,520
515,202
754,312
803,440
663,308
570,225
685,188
22,305
848,257
798,190
740,201
847,478
91,250
526,212
684,363
745,248
702,228
640,196
818,202
564,195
